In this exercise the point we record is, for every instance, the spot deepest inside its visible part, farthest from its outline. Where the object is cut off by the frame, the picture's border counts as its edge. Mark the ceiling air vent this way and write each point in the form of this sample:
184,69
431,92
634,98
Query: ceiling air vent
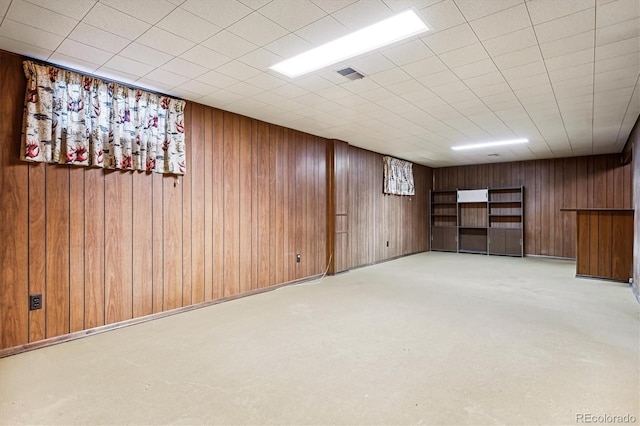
350,73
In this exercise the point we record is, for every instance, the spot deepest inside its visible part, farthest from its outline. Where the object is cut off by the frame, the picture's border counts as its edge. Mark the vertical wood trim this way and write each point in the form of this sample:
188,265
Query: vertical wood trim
142,245
244,254
158,248
76,249
217,237
37,229
199,196
94,210
57,250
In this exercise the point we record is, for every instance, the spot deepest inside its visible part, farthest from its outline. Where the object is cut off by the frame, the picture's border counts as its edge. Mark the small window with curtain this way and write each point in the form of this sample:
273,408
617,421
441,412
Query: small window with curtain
70,118
398,177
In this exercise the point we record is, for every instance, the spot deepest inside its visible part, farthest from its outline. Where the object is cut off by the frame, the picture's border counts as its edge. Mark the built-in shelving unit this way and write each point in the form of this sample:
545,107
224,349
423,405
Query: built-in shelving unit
479,221
444,220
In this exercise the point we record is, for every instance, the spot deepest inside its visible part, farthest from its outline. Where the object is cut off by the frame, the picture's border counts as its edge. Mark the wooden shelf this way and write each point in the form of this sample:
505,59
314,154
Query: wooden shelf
478,221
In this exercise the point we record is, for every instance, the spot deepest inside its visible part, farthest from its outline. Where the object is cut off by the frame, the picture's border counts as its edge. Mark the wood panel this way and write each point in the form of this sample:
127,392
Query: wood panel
375,218
14,209
57,251
634,141
587,182
118,207
106,246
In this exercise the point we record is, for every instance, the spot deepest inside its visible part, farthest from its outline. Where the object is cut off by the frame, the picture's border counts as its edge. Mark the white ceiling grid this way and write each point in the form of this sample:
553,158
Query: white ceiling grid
562,73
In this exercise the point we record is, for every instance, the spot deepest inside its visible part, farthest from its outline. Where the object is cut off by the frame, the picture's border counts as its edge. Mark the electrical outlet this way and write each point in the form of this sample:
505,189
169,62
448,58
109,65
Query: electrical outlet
35,302
298,258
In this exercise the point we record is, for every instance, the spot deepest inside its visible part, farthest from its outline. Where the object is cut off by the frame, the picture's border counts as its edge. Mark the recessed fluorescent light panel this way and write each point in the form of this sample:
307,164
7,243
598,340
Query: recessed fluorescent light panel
381,34
489,144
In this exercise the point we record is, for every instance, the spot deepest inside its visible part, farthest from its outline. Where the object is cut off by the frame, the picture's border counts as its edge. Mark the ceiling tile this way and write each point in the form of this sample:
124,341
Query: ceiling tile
474,9
620,31
244,89
35,37
254,4
442,15
493,89
229,44
288,46
570,60
567,45
290,91
261,59
465,55
73,63
4,6
185,68
150,11
116,22
362,13
623,61
618,48
166,78
511,42
153,85
394,75
257,29
312,83
451,39
322,31
115,75
546,10
83,52
408,52
165,41
216,79
424,67
292,14
199,87
439,78
205,57
475,69
524,70
35,16
238,70
564,27
129,66
221,13
617,11
518,58
371,63
75,9
266,81
26,49
506,21
101,39
571,72
484,80
145,54
331,6
188,26
404,87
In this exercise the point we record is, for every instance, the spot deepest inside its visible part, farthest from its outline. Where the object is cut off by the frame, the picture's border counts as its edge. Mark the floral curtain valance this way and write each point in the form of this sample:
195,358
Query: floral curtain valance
398,177
70,118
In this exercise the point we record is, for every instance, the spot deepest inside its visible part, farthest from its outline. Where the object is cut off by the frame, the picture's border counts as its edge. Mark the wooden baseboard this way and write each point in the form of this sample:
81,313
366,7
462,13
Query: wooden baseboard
104,328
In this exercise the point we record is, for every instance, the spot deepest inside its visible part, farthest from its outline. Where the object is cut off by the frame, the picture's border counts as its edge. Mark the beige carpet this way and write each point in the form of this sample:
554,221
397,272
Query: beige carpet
433,338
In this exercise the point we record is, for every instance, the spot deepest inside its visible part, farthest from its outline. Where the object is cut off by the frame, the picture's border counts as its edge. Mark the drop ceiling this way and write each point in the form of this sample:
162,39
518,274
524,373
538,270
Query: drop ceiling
562,73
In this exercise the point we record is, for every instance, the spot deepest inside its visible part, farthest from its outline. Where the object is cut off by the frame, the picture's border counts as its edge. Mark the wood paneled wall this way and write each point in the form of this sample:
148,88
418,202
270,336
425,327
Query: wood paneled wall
634,139
107,246
375,218
579,182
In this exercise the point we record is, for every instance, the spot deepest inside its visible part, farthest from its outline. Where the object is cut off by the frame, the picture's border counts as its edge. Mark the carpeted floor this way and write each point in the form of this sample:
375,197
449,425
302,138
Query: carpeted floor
433,338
